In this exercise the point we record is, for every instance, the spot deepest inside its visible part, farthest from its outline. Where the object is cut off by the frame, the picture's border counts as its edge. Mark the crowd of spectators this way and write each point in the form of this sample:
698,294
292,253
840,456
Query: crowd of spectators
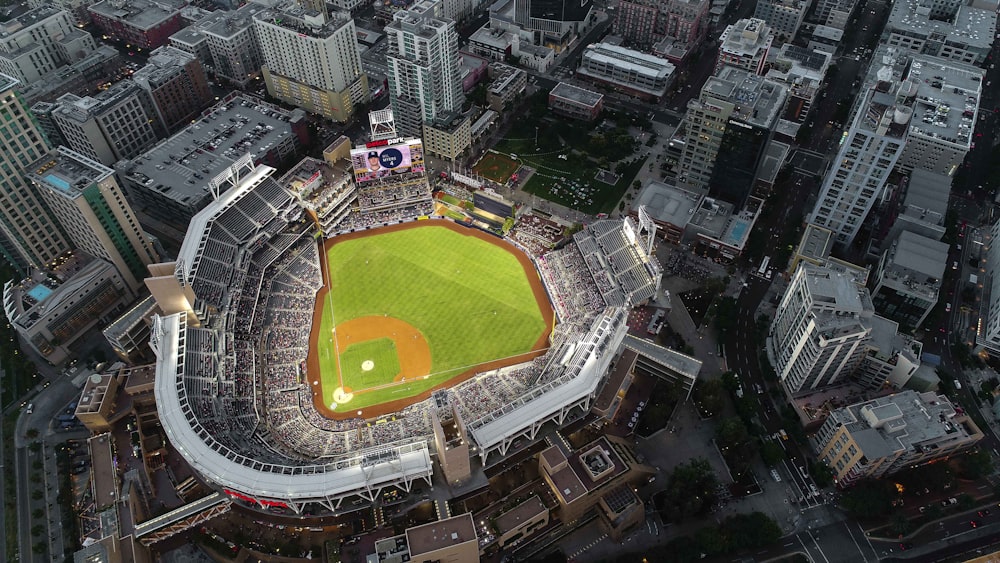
536,234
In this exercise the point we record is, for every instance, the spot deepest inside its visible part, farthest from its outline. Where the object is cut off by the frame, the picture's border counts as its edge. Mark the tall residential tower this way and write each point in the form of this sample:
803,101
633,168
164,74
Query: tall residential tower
28,234
425,81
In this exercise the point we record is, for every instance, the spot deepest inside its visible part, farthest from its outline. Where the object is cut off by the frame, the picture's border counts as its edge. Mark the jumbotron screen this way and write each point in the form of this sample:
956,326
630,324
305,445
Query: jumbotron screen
380,159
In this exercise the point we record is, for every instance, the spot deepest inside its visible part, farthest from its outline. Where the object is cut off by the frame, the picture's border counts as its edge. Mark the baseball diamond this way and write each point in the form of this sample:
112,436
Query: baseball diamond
422,305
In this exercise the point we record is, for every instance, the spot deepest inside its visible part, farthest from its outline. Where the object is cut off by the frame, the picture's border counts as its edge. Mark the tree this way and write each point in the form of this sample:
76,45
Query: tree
771,453
37,495
731,432
37,530
710,396
900,524
690,491
31,434
869,499
39,548
976,464
37,513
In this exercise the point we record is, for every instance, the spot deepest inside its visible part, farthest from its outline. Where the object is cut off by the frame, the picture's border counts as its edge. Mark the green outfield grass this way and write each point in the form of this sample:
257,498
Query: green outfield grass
381,352
470,299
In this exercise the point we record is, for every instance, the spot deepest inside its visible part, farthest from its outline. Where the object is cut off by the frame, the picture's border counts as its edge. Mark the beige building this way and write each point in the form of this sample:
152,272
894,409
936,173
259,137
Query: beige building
877,438
520,522
448,138
311,60
85,198
580,480
29,235
452,540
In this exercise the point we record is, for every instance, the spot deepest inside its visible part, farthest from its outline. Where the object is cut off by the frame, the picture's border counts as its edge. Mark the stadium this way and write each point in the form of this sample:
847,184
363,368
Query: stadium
240,389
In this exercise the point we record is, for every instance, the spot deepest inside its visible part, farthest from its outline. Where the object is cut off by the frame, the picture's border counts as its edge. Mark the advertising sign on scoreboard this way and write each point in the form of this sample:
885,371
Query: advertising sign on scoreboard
383,159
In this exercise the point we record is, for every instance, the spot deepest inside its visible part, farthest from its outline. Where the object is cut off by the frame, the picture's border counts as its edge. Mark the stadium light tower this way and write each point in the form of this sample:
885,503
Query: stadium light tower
383,124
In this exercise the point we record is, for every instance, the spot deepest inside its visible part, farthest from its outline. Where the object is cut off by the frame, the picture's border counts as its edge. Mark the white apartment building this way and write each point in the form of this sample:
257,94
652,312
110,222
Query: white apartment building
234,51
425,81
29,235
988,333
820,330
311,60
637,73
878,130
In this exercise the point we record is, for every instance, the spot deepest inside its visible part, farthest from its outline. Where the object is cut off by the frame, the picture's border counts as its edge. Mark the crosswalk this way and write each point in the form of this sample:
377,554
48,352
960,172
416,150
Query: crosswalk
580,551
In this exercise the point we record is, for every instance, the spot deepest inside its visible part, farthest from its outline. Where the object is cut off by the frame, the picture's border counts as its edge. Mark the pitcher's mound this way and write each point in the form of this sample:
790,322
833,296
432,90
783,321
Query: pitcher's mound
367,365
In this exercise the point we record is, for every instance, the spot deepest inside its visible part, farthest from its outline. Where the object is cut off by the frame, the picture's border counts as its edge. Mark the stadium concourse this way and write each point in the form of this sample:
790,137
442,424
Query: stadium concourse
232,388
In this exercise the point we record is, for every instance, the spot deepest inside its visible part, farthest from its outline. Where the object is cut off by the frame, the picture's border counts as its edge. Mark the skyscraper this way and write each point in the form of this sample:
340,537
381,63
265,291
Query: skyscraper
424,73
28,234
86,199
311,60
869,151
731,122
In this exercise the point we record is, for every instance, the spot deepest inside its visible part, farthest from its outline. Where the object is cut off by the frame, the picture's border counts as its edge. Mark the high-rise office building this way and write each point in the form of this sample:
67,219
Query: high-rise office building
820,329
86,200
311,60
874,142
731,122
29,236
425,81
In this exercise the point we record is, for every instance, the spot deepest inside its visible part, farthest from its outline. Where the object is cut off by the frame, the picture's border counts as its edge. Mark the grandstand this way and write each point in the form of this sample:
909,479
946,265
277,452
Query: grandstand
232,388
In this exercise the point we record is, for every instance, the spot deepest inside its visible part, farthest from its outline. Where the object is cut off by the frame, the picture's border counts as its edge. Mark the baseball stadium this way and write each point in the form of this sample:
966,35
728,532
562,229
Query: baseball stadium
321,338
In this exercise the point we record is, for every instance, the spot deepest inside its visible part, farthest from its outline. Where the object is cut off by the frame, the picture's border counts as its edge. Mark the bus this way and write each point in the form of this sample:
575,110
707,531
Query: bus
763,265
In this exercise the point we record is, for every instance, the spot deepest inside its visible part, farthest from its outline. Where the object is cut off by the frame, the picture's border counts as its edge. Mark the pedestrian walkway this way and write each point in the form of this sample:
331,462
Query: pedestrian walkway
585,548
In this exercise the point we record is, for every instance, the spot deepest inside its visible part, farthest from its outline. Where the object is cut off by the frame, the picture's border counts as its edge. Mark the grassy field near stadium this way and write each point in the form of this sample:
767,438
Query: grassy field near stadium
414,307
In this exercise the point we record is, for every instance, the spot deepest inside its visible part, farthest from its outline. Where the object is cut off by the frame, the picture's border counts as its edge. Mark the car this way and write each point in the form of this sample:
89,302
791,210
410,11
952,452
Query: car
983,513
30,408
954,265
78,470
974,523
947,307
923,509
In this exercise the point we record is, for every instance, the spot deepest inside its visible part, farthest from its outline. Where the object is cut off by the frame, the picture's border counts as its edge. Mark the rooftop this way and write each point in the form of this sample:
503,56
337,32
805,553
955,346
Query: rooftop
816,243
928,192
143,14
758,100
181,166
634,61
28,19
519,514
164,64
903,421
576,94
668,204
440,534
229,23
8,82
82,109
970,26
746,37
916,263
67,171
293,17
948,96
833,291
